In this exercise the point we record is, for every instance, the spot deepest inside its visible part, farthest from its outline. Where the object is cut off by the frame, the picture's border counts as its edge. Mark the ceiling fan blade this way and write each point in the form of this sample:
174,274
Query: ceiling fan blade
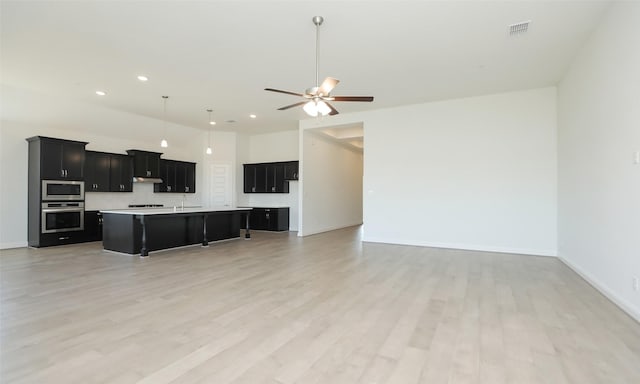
328,84
333,110
281,91
352,98
292,105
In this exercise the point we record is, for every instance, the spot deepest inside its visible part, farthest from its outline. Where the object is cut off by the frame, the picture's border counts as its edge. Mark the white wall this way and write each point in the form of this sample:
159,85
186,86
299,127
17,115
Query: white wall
599,134
105,130
263,148
331,175
476,173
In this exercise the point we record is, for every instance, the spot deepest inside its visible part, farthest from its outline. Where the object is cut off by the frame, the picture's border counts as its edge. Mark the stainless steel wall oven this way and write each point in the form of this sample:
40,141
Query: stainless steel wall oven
62,217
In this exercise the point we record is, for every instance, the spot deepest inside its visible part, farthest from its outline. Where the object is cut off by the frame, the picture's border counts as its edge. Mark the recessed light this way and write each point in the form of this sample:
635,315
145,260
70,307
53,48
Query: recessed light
142,78
252,116
101,93
212,122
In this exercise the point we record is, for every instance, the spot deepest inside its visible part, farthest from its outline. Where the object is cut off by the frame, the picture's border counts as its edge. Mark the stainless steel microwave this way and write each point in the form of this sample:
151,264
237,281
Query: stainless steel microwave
62,190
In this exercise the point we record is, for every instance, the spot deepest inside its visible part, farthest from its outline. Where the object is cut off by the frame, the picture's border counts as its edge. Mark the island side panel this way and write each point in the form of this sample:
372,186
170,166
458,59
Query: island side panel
121,233
170,231
223,225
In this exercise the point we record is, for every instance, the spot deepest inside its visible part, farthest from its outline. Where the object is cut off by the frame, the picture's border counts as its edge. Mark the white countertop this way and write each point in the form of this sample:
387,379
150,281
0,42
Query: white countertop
171,210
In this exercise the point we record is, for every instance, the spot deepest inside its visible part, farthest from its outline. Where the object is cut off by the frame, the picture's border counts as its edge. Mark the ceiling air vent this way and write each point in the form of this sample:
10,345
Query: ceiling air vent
519,28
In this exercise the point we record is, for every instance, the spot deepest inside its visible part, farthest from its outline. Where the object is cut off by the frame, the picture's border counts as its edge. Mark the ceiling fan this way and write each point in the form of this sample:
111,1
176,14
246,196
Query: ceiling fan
316,98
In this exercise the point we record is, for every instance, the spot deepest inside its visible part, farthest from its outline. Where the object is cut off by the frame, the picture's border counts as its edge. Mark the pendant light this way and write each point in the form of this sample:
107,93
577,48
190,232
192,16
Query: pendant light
164,143
211,122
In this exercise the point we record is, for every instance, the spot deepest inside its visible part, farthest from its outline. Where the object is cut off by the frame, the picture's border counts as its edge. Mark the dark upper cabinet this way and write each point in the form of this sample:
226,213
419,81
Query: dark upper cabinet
108,172
121,173
145,164
177,177
275,178
61,159
190,177
269,177
291,170
96,171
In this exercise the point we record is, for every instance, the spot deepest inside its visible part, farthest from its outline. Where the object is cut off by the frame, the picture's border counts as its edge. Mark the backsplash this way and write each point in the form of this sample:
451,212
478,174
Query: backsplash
142,194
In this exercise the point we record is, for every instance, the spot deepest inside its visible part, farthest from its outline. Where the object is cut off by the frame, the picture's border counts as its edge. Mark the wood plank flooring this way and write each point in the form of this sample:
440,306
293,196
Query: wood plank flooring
280,309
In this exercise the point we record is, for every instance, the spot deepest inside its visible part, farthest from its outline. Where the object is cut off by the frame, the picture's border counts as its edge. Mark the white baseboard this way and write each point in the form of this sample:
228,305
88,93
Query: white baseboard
466,247
18,244
326,229
606,291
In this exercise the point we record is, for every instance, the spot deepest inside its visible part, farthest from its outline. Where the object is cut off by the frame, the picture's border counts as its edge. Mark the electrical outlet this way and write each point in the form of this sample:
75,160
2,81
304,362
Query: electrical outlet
636,157
636,283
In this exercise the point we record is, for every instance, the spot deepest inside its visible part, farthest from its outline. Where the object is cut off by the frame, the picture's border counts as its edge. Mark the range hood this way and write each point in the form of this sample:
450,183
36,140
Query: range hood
149,180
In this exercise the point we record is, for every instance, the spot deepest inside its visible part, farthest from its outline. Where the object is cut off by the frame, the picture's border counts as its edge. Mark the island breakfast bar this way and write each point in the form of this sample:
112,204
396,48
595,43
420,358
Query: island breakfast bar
139,231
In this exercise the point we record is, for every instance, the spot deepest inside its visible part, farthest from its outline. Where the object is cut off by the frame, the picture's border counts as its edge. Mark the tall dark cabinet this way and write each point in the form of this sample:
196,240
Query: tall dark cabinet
52,159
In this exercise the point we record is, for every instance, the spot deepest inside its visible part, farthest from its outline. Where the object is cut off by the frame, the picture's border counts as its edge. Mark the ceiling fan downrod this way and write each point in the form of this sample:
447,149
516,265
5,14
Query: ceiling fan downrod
317,20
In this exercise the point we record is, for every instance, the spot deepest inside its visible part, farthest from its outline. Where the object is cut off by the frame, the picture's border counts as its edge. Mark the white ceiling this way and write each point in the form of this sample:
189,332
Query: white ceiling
221,54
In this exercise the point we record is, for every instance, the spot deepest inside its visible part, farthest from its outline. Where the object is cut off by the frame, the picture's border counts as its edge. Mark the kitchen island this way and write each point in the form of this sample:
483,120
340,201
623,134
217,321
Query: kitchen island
139,231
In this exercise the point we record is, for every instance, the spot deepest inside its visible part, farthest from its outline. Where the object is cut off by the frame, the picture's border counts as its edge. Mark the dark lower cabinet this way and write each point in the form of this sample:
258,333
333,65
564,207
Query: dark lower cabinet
61,238
92,226
269,219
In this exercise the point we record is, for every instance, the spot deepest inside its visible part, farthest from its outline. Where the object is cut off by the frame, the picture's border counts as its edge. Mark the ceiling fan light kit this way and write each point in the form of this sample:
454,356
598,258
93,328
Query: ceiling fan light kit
316,98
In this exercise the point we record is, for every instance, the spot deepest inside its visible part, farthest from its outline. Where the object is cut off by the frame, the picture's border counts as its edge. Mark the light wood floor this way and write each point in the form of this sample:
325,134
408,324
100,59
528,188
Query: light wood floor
322,309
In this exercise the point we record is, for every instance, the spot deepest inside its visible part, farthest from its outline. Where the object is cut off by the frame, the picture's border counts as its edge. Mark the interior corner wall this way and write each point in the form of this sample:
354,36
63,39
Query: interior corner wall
476,173
331,177
599,144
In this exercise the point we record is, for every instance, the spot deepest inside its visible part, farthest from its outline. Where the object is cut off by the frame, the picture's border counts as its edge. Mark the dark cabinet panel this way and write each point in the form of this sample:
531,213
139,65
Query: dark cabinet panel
190,182
121,173
145,164
269,177
177,176
96,171
291,170
108,172
260,178
61,159
275,178
92,226
269,219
